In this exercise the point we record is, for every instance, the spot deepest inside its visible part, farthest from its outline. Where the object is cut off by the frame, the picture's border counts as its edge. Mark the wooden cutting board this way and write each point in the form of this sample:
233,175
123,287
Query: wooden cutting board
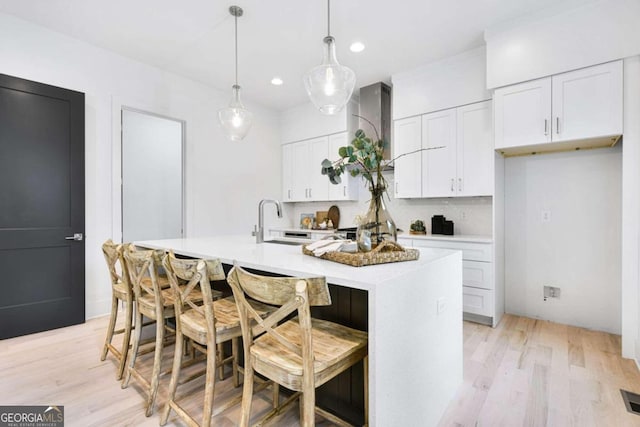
334,215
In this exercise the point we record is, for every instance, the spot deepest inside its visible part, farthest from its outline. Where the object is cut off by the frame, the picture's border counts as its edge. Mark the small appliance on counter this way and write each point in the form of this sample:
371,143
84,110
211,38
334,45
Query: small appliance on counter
440,225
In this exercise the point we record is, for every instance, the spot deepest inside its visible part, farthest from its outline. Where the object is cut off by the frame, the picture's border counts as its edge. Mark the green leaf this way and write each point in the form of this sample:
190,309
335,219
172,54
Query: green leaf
326,163
342,152
352,159
360,133
349,151
335,179
354,172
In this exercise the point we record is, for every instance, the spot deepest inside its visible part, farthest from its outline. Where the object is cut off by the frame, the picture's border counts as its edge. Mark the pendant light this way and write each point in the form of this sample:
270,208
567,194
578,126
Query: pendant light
235,119
329,85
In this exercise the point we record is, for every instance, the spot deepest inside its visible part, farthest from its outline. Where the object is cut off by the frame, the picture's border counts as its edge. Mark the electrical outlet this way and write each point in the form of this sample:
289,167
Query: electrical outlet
442,304
551,292
546,216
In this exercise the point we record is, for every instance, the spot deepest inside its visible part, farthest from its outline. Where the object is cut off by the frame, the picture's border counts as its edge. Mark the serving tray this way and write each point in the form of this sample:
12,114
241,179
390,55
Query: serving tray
385,252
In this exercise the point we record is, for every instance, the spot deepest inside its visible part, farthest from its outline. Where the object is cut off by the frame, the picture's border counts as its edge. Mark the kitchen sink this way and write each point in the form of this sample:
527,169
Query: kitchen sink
284,242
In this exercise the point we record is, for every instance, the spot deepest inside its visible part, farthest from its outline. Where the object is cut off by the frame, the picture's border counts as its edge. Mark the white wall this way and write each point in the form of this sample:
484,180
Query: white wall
631,211
224,180
578,250
538,46
451,82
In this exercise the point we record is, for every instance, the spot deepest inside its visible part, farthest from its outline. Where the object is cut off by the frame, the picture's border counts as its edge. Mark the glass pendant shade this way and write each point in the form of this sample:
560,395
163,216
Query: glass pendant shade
235,119
330,85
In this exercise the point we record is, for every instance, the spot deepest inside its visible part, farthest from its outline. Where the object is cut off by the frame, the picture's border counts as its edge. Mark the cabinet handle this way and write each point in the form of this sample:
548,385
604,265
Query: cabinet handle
459,184
309,193
289,194
452,185
557,125
306,193
344,191
546,128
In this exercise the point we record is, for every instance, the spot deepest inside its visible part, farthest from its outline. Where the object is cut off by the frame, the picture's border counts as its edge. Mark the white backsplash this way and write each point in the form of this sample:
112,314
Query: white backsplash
470,215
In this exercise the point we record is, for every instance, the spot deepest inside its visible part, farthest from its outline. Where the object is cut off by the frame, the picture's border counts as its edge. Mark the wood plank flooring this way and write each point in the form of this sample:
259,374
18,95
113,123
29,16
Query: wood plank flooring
525,372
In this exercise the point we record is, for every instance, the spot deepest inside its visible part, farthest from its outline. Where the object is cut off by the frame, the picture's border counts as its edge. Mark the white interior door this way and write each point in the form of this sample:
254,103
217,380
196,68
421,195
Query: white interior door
152,177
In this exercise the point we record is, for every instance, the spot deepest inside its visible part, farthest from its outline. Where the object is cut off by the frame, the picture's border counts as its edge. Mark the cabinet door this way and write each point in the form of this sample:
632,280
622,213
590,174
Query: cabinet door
287,172
300,168
439,166
347,189
318,184
587,103
474,150
523,114
408,169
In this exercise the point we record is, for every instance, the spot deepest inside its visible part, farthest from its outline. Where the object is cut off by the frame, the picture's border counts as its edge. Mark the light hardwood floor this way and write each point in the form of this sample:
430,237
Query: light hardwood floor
525,372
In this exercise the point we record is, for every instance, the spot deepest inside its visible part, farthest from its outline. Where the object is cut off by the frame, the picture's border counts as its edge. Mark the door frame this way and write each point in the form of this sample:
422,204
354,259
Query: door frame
118,104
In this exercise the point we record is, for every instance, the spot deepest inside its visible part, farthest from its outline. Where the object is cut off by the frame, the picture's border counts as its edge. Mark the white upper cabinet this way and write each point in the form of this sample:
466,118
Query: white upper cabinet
287,173
318,184
523,114
301,176
475,158
347,189
439,166
463,167
578,105
408,169
587,103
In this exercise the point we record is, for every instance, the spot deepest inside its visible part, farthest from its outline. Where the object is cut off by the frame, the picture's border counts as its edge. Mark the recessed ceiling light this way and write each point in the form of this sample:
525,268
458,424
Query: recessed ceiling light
276,81
356,47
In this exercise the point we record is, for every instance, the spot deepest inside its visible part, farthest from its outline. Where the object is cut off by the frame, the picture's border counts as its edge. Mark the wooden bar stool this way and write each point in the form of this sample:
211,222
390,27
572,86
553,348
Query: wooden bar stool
155,303
120,291
207,323
301,354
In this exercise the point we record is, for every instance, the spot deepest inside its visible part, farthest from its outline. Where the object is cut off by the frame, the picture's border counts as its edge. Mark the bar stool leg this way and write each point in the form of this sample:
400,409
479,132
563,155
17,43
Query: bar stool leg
175,374
126,338
157,362
210,382
111,327
134,349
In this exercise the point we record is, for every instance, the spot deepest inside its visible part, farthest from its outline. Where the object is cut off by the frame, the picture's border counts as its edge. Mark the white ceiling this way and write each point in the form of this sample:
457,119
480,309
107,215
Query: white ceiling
194,38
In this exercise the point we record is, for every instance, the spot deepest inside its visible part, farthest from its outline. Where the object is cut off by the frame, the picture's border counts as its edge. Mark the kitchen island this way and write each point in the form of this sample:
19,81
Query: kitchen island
414,318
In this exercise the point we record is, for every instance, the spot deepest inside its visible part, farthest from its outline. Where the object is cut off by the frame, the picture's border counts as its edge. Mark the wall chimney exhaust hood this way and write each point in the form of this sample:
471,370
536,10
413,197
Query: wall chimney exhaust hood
554,147
375,106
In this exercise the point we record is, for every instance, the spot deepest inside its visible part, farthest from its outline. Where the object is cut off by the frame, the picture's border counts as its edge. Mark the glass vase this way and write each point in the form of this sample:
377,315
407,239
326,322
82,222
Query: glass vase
377,225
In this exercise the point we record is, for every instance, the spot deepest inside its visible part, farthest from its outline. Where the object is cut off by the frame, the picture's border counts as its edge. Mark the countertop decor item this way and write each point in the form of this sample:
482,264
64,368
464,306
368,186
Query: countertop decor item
306,221
235,119
417,227
384,253
334,216
365,157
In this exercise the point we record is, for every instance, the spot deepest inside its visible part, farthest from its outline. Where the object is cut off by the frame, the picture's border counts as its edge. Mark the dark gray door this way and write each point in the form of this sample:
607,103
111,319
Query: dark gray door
41,207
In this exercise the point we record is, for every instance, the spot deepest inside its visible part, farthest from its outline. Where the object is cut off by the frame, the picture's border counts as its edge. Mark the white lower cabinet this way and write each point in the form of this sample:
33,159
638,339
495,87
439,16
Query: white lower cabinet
477,301
478,275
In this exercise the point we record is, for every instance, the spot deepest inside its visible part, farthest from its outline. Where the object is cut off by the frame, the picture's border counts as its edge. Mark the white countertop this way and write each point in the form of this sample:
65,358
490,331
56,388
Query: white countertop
290,261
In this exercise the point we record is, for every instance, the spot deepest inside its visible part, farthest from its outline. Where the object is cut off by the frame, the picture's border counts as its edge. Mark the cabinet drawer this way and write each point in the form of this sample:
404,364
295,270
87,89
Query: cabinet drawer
477,274
405,242
477,301
470,251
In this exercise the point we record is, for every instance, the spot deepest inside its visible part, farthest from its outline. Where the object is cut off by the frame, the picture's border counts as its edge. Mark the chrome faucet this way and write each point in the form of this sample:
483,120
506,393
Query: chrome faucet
259,231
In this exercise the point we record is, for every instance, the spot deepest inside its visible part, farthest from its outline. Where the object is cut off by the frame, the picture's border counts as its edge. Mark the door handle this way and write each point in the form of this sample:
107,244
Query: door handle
76,236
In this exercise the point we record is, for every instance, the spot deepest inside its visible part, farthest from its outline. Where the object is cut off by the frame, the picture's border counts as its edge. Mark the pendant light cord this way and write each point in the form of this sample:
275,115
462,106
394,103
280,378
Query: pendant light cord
236,34
328,18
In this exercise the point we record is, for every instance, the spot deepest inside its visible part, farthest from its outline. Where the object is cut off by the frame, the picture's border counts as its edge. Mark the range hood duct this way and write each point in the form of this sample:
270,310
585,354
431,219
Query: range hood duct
375,106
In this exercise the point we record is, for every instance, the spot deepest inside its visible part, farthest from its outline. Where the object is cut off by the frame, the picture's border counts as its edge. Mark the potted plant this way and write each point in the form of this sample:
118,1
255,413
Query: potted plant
364,157
417,227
